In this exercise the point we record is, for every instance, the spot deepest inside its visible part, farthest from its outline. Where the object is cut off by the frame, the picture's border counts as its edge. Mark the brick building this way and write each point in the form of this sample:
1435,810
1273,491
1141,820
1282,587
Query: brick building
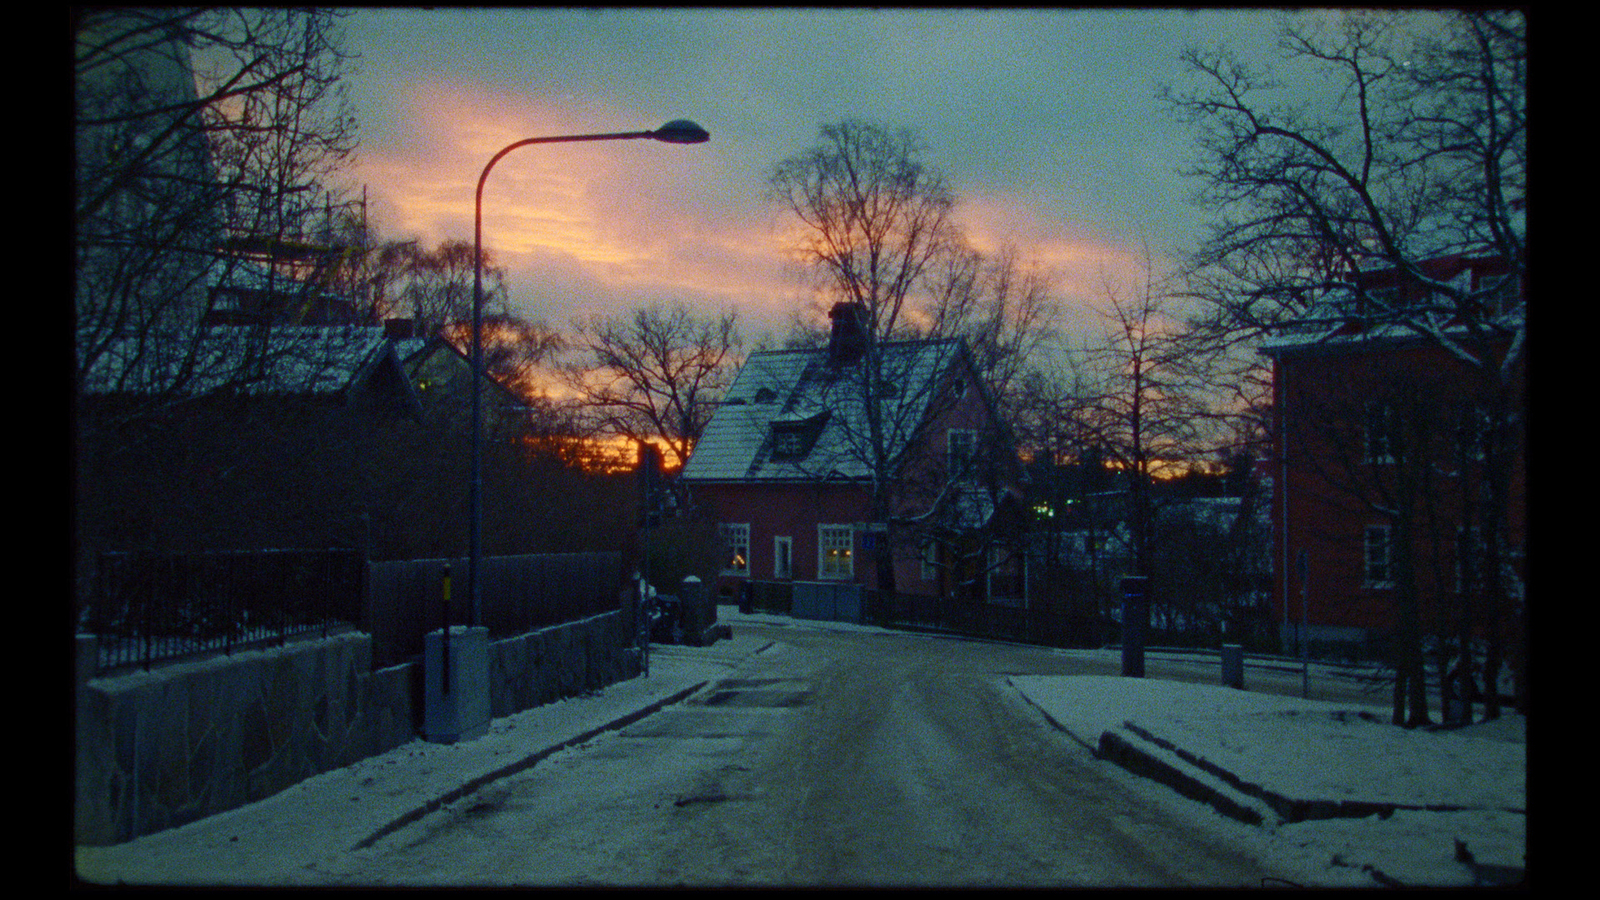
1386,456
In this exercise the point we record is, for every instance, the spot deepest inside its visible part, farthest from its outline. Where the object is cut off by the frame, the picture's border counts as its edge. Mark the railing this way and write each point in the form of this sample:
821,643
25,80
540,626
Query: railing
158,608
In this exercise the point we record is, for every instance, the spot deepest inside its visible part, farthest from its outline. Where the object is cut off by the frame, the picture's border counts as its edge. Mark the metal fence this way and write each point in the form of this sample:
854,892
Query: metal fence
151,608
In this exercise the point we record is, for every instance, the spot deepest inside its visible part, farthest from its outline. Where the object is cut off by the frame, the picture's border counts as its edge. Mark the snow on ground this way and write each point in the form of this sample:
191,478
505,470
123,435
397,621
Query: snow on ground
1300,748
1315,750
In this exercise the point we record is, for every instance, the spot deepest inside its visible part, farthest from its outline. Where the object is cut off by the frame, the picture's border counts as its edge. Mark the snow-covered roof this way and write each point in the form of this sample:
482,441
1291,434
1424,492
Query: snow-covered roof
314,360
800,390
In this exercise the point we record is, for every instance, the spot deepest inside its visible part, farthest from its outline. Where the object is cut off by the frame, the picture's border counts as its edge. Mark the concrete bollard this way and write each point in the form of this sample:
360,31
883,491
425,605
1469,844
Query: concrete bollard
456,690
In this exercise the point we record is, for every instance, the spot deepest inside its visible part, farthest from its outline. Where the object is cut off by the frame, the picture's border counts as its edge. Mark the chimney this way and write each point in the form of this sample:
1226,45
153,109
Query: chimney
399,329
847,342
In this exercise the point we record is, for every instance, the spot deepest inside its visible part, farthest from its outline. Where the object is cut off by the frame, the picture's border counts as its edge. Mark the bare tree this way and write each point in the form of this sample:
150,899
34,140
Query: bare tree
1007,312
433,287
1147,409
204,136
654,374
1417,151
876,231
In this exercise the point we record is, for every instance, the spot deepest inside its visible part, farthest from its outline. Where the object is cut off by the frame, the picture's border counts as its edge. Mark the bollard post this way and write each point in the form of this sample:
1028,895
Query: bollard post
1233,665
1135,621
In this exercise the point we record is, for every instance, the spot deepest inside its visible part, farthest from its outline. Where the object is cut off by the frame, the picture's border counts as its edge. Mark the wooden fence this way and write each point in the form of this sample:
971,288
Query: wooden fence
405,600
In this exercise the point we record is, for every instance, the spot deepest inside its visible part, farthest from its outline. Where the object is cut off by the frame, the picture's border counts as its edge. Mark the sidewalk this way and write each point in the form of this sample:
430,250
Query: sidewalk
1391,803
1327,780
351,807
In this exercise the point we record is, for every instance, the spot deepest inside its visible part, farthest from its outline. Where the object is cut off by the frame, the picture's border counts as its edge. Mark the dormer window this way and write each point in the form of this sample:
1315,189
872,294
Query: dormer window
766,395
788,443
793,436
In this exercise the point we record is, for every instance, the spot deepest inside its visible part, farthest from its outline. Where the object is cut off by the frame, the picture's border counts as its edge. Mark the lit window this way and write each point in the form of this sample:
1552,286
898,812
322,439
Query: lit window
736,542
835,547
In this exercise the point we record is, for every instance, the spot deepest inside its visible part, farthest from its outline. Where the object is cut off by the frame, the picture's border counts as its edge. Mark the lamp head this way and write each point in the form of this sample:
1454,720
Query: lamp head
681,131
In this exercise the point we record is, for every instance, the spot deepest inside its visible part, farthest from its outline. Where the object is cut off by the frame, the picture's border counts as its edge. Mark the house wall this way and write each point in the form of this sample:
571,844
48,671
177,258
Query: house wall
1327,492
158,749
792,509
796,509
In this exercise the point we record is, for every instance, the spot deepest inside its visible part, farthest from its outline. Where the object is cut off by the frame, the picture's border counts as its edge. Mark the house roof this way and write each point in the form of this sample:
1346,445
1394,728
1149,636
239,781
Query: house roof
799,391
1339,319
285,360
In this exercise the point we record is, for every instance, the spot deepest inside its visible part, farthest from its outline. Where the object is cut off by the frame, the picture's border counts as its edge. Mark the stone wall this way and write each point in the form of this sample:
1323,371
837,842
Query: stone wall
561,661
158,749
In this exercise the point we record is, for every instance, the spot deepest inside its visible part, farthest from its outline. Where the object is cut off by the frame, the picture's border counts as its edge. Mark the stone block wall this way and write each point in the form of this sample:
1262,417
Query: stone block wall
159,749
560,661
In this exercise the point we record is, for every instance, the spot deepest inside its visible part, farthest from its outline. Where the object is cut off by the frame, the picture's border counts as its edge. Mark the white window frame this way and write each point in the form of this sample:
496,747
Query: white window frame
834,537
1377,556
782,557
736,537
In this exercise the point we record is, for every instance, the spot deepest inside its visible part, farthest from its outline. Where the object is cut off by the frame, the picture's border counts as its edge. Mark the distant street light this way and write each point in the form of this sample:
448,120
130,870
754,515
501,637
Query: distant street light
678,131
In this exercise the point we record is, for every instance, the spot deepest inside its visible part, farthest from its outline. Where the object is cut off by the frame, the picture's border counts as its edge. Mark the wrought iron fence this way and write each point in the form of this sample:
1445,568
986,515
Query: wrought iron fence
155,608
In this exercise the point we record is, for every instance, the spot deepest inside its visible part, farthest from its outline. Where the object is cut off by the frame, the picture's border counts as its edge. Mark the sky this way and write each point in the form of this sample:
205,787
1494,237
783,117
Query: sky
1045,121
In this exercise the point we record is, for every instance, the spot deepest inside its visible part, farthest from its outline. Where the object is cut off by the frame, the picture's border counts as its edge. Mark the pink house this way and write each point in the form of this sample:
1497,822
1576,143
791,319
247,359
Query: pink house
788,463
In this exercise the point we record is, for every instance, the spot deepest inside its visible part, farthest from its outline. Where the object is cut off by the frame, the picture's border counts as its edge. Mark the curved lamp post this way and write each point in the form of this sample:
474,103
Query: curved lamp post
678,131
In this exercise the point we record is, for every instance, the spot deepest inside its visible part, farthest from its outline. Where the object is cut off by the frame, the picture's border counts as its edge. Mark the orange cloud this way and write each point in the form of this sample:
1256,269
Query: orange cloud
1083,263
627,216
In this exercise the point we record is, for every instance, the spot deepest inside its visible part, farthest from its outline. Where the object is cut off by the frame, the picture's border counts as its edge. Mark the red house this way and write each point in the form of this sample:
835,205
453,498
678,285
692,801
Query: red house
788,464
1384,395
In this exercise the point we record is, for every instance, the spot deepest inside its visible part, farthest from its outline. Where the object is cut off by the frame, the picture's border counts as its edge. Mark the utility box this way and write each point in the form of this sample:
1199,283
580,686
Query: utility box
1233,665
455,694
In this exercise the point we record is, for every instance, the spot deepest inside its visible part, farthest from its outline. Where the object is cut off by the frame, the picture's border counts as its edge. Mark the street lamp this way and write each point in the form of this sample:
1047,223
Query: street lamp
678,131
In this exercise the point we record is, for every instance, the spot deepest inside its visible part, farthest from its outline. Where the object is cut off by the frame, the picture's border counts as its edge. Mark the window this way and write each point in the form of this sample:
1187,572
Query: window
1470,556
793,438
962,445
783,557
788,443
1381,433
1377,557
835,549
930,560
736,543
1472,433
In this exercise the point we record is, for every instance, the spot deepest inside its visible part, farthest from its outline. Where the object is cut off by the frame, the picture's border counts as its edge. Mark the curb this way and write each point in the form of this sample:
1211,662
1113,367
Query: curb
1140,761
527,762
1180,775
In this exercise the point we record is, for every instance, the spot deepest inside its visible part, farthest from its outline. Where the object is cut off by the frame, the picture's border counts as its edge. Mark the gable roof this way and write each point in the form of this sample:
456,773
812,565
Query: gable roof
325,361
799,392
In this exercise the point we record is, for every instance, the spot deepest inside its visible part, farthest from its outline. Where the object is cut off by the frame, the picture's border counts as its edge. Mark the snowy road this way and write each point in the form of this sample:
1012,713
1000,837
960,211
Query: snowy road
829,758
